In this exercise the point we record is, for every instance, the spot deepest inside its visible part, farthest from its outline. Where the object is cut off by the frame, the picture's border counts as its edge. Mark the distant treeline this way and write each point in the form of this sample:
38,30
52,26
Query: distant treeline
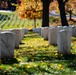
7,4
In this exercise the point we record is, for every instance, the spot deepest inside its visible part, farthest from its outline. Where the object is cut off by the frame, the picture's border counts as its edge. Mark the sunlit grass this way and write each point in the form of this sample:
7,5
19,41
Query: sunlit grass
27,23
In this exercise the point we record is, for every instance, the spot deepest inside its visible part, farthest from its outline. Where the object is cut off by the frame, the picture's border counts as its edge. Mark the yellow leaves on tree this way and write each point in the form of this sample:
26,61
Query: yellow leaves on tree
30,9
71,4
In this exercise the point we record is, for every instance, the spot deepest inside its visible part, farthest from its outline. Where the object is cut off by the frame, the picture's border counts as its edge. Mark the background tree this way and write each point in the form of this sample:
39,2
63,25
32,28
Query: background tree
30,9
54,6
3,4
62,12
19,2
10,6
7,4
45,17
71,8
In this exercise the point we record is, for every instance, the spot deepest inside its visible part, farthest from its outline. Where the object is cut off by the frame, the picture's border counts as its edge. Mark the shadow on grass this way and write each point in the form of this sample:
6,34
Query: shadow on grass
39,58
21,43
71,61
73,39
67,57
32,36
9,61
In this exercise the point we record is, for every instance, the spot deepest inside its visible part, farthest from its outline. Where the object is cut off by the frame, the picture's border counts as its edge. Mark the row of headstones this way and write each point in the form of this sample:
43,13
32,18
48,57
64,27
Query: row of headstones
13,17
4,23
8,24
58,35
1,22
9,40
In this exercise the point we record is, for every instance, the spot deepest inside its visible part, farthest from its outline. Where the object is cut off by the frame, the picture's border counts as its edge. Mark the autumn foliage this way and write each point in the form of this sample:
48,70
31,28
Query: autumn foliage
30,9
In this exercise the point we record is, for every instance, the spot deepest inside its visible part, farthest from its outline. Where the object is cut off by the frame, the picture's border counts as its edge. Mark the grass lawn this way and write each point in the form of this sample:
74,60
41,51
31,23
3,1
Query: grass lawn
16,22
36,57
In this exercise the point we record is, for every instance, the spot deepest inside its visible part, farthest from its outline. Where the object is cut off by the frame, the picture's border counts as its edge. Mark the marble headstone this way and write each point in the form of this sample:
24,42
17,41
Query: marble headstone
7,44
74,31
44,32
64,42
18,37
52,36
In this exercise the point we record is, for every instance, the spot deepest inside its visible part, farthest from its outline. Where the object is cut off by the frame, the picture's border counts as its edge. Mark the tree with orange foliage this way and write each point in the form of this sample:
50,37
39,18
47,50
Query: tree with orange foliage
33,9
71,4
30,9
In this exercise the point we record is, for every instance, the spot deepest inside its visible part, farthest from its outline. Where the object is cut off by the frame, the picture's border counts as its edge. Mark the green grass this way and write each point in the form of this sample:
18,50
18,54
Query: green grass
36,57
30,26
27,24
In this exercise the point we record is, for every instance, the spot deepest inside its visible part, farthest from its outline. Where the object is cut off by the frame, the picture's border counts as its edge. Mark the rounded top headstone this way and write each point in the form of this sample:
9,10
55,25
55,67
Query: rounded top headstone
65,28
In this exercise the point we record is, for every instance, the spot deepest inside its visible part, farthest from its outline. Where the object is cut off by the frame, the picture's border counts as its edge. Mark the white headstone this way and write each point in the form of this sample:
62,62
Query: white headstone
68,28
7,44
74,31
60,27
52,35
35,30
65,27
25,30
39,31
18,37
21,32
64,42
42,31
45,33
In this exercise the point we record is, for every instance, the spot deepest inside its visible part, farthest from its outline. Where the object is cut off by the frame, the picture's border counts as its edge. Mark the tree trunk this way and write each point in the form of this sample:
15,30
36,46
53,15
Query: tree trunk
62,13
34,23
9,5
70,14
45,17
